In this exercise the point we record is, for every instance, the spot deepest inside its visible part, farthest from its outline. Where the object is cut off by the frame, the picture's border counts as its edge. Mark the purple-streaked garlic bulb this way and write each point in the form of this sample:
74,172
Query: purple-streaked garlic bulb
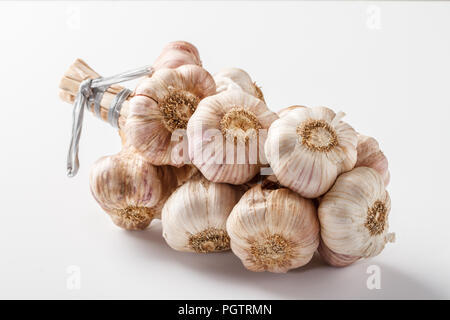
131,190
235,78
273,229
307,148
354,214
160,110
370,155
226,136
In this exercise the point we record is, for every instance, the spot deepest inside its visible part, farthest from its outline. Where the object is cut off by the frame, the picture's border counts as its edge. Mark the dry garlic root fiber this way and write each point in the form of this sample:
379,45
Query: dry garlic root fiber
307,148
131,190
161,107
226,136
354,214
194,217
273,229
370,155
234,78
335,259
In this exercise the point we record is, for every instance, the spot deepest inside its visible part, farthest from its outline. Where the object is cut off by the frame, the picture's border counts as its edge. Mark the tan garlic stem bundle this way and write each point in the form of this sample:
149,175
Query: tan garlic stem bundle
194,217
173,55
273,229
354,214
160,110
370,155
307,148
235,78
131,190
335,259
70,85
226,136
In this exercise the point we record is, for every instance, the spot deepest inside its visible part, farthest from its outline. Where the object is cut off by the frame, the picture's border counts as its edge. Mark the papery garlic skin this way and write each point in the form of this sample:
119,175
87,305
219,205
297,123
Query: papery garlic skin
307,148
225,139
131,190
194,217
176,54
273,229
370,155
162,106
335,259
354,214
235,78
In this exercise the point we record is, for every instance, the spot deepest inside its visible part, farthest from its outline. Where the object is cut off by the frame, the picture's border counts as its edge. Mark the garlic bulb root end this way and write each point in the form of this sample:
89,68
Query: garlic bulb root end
210,240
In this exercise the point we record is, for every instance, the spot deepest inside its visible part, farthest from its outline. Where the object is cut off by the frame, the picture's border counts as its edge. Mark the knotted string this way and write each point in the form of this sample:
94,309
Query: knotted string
91,91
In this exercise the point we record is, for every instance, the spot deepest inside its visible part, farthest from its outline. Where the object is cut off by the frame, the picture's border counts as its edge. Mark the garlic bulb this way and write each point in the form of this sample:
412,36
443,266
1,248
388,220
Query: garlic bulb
226,136
370,155
273,229
285,110
335,259
234,78
176,54
307,148
194,217
131,190
161,107
354,214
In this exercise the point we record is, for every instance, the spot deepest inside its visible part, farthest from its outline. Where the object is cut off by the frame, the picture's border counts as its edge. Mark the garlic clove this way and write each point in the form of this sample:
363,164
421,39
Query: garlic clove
161,108
307,148
335,259
370,155
354,214
273,229
235,78
176,54
131,190
194,217
226,136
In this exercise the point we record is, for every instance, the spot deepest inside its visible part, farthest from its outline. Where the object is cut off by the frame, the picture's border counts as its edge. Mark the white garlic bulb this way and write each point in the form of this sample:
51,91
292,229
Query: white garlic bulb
285,110
131,190
354,214
160,110
235,78
226,136
273,229
194,217
307,148
370,155
176,54
335,259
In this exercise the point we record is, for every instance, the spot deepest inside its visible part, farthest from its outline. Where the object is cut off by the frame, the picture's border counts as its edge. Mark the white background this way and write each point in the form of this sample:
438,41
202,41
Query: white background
390,75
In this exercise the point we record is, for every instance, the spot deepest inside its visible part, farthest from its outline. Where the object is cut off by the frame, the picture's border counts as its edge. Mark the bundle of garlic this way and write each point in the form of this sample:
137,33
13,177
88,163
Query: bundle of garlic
196,149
